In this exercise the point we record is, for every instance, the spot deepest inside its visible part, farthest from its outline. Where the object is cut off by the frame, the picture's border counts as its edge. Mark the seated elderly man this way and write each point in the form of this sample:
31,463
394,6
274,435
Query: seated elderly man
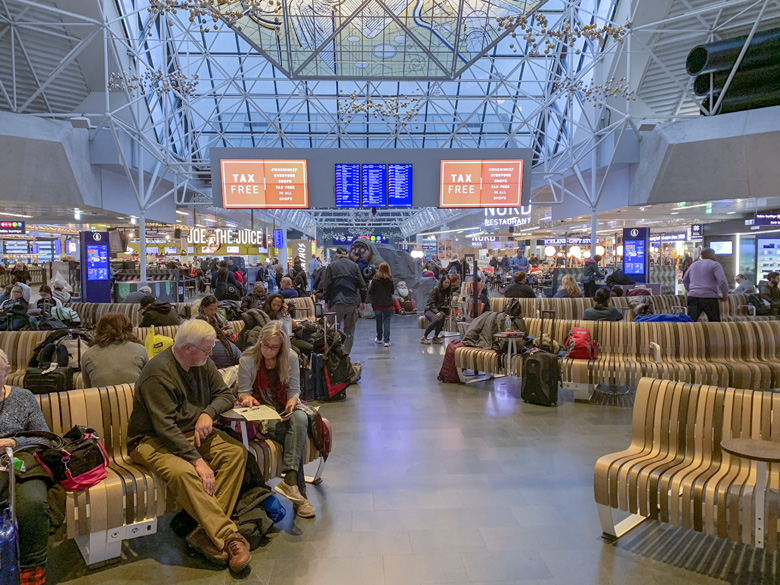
178,396
286,288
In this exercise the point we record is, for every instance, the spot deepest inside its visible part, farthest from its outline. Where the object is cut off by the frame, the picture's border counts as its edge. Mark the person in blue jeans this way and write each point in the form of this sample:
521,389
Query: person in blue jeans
380,293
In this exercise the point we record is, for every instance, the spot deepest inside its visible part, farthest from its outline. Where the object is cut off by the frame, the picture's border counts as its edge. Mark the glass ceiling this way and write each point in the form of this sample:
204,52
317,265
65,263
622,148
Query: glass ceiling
243,98
376,39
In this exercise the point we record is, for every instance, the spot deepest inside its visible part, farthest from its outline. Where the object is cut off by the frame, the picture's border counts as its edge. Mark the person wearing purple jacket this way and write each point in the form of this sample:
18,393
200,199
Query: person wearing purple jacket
706,285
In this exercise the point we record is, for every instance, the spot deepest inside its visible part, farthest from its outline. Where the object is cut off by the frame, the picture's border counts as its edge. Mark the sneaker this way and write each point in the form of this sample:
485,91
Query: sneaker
377,341
291,492
237,550
425,341
199,541
387,344
304,510
437,340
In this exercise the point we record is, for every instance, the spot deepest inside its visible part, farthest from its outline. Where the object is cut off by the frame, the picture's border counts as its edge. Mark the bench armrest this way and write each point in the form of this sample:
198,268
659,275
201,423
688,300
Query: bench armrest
656,349
751,309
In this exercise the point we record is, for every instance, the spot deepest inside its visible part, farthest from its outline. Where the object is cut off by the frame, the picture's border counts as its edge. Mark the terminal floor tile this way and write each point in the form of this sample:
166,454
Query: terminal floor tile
446,484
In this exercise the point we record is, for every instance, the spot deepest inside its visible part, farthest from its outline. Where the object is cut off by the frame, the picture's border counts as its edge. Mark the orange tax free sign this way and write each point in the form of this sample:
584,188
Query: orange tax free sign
481,183
264,184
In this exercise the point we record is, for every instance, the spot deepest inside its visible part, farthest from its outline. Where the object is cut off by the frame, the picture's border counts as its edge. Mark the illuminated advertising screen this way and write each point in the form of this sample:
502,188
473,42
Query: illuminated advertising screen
12,227
399,185
264,184
171,250
374,185
634,251
278,238
347,185
97,262
481,183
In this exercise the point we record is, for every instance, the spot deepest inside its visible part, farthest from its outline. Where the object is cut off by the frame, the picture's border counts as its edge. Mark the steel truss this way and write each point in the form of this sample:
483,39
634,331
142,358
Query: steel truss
504,99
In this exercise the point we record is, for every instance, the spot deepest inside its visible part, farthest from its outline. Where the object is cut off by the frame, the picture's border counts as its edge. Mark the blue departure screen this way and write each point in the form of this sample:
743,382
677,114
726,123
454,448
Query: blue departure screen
374,186
347,185
399,183
97,262
634,257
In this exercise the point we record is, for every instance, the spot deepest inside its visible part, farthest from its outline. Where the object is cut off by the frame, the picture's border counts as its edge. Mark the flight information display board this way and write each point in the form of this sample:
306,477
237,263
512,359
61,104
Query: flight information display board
374,185
399,185
347,185
264,184
481,183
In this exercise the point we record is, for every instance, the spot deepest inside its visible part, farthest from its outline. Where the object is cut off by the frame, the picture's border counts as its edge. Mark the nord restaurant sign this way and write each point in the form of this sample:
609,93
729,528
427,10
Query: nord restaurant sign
220,236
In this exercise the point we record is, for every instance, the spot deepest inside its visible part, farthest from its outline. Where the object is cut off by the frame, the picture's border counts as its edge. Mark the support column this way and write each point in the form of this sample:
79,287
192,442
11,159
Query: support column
594,226
142,244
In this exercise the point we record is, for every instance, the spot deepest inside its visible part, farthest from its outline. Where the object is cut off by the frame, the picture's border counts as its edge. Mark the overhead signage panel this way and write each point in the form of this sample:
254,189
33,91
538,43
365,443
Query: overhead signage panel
264,184
481,183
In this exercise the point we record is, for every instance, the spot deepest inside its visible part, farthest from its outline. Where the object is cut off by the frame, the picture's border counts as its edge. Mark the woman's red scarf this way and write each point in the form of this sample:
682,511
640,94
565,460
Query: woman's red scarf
265,394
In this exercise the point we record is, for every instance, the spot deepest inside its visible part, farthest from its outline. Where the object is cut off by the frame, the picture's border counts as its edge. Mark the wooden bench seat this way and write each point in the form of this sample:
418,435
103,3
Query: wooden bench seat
675,471
739,354
19,346
131,499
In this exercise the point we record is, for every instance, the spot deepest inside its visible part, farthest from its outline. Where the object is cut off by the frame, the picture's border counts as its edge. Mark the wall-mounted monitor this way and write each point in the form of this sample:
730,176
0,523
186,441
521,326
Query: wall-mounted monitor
481,183
264,184
724,248
233,249
399,185
374,185
347,185
171,250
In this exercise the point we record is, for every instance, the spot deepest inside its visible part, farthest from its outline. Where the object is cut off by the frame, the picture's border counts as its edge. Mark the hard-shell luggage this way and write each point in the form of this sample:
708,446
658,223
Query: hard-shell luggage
45,381
9,531
541,373
448,373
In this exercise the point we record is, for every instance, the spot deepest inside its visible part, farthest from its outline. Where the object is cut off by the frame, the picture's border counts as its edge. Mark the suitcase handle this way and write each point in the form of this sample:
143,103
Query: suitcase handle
552,326
11,481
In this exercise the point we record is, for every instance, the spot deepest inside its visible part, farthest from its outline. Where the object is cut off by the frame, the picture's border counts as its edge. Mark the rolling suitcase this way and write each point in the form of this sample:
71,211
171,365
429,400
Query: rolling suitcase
9,531
541,373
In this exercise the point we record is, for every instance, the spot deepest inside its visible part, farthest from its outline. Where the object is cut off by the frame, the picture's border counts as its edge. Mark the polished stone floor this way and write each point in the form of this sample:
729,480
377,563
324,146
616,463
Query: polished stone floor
446,484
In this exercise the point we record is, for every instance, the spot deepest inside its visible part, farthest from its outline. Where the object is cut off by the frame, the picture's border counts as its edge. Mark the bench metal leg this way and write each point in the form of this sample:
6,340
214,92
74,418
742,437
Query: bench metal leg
610,530
582,392
476,378
105,545
317,479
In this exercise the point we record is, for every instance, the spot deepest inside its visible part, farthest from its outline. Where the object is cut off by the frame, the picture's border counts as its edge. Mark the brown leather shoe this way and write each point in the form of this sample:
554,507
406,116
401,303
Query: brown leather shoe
199,541
237,549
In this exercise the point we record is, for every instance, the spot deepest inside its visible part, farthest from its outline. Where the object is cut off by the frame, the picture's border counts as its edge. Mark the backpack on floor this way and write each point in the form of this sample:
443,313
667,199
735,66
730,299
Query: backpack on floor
580,345
448,372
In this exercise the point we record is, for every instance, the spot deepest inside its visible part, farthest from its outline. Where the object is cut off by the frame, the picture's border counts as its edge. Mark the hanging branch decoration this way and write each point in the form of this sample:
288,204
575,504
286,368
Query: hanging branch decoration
537,25
596,93
208,13
155,81
401,109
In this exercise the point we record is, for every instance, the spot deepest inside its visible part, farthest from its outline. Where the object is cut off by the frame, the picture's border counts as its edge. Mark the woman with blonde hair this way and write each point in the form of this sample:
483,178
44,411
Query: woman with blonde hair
268,373
380,292
569,289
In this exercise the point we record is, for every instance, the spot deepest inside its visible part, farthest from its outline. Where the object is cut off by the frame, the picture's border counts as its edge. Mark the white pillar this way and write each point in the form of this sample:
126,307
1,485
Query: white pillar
142,244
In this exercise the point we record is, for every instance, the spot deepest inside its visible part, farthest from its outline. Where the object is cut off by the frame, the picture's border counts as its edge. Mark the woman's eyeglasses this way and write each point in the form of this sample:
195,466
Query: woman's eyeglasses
270,347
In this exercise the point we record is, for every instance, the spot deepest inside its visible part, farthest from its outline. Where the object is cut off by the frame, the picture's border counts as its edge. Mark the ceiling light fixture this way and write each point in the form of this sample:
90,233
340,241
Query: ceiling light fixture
182,212
15,214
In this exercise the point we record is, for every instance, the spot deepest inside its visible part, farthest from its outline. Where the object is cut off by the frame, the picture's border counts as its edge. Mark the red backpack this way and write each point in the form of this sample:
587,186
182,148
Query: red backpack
580,345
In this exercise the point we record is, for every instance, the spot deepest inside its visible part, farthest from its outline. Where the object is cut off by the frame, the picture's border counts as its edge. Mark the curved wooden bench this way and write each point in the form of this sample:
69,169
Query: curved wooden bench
675,471
127,504
90,313
19,346
304,308
739,354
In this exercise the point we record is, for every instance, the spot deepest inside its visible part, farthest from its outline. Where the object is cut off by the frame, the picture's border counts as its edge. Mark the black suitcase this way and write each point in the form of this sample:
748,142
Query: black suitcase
57,380
541,374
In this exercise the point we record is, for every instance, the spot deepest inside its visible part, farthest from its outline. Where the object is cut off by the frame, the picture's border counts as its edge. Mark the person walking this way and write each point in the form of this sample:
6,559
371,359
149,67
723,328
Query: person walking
706,284
520,263
591,274
314,264
345,291
380,293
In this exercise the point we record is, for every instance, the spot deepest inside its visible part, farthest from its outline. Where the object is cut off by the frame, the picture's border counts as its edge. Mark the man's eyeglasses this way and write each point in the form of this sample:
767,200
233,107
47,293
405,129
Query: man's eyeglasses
205,351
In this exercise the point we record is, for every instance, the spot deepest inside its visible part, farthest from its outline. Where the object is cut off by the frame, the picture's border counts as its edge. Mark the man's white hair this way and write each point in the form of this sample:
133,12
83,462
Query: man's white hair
193,332
145,289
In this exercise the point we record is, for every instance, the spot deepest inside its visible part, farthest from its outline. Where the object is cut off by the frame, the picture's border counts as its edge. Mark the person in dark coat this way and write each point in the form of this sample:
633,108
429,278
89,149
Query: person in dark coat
256,298
223,276
157,313
380,293
519,289
436,310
